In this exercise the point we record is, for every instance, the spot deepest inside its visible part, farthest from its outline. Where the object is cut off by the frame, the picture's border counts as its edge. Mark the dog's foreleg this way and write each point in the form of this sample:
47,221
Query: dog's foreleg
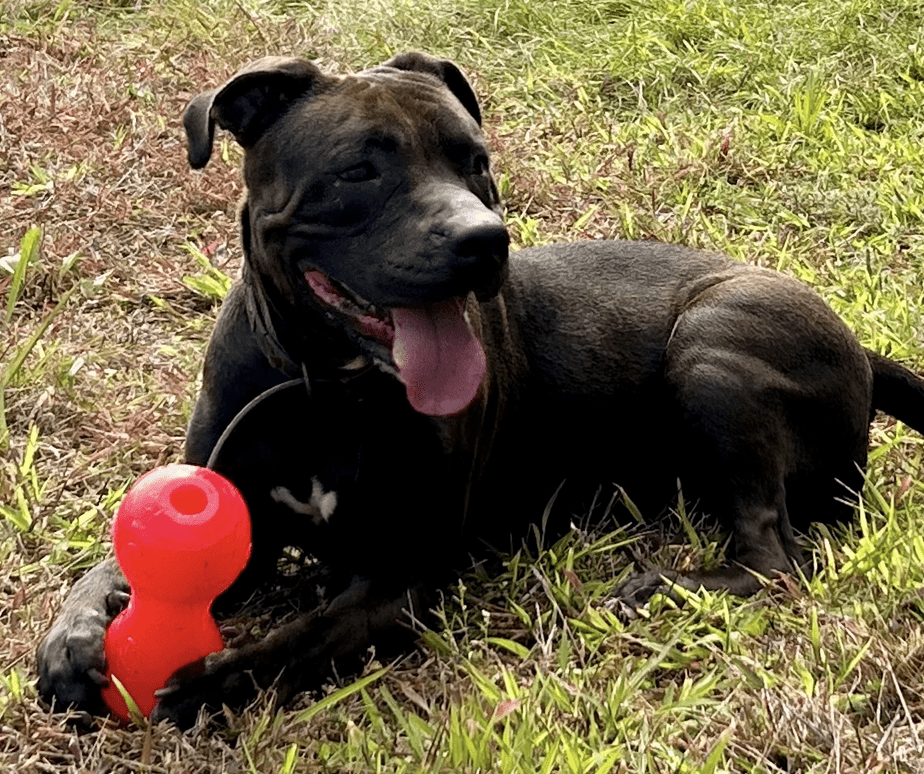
297,656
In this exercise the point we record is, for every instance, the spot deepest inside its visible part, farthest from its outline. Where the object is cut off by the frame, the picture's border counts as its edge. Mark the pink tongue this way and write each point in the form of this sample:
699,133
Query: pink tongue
438,357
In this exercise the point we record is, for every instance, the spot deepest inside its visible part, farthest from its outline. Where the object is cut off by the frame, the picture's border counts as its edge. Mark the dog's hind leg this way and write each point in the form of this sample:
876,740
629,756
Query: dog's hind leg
771,396
751,500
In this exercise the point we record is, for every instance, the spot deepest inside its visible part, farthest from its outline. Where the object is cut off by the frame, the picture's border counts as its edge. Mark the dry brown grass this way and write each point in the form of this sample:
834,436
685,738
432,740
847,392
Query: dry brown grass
93,117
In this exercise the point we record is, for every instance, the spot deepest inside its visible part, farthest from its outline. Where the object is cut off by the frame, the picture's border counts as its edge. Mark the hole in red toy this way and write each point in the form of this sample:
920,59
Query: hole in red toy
189,499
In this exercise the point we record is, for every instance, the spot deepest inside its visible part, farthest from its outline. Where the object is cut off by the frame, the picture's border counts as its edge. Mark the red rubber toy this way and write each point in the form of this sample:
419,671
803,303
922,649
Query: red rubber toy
181,536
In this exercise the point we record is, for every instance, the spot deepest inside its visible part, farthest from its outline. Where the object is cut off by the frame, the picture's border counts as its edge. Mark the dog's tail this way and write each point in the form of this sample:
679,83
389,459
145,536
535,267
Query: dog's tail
897,391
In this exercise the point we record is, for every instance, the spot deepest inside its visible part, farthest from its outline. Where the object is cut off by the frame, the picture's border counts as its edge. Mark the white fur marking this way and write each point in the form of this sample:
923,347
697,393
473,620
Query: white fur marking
320,508
325,502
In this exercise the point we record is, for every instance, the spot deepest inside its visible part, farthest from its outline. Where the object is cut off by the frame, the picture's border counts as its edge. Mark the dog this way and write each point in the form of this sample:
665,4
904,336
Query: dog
390,390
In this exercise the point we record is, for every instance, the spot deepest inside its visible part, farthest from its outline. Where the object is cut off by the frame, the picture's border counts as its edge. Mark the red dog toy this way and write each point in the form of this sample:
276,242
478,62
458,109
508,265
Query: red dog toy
181,536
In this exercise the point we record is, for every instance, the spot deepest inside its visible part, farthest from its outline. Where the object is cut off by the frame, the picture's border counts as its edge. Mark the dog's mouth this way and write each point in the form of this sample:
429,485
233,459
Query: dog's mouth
437,355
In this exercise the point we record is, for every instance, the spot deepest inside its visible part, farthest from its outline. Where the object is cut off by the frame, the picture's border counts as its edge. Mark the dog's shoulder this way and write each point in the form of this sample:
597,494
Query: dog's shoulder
594,317
611,282
619,261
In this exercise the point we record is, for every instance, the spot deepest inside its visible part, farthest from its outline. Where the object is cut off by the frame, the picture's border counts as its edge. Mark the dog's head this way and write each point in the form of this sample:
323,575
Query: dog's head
371,207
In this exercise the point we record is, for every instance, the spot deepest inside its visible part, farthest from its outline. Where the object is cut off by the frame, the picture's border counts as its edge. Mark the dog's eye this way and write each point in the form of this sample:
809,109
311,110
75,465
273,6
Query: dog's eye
358,173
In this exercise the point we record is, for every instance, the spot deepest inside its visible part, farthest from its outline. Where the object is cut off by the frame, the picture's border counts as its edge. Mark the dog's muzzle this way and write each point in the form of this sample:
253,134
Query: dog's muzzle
434,349
424,327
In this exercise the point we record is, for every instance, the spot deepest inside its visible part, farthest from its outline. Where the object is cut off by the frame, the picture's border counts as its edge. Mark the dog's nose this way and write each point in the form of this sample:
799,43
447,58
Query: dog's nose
462,227
478,243
467,244
477,236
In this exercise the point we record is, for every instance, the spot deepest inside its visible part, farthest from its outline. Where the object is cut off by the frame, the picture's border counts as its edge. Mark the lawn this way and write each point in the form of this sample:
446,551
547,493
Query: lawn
788,134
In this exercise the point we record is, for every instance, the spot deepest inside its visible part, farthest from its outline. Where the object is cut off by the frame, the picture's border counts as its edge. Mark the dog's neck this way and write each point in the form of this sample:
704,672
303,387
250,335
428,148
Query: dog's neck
283,354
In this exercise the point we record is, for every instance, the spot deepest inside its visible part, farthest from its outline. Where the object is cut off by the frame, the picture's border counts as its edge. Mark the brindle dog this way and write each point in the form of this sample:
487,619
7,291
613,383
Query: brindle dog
445,393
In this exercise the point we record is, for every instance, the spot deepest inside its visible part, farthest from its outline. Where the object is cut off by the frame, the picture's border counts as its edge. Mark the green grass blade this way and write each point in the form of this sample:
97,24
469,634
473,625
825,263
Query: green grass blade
28,250
29,344
339,695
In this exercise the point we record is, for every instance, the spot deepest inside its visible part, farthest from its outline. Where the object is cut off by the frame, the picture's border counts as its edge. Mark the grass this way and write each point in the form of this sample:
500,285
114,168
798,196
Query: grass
786,133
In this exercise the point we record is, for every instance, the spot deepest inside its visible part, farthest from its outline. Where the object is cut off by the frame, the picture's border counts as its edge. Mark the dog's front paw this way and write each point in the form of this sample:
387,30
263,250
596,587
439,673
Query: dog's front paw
71,664
70,659
222,678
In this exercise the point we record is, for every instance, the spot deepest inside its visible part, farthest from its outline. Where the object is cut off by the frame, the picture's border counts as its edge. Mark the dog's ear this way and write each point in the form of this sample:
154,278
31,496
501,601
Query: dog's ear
248,104
443,69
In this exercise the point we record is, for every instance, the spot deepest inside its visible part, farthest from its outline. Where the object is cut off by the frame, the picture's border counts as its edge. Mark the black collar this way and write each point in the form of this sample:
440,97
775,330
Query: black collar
260,314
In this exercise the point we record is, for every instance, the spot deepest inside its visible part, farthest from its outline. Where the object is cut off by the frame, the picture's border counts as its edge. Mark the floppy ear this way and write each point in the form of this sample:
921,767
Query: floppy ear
248,104
443,69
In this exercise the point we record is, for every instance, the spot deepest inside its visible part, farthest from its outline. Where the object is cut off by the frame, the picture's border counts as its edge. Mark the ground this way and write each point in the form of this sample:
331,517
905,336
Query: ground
787,134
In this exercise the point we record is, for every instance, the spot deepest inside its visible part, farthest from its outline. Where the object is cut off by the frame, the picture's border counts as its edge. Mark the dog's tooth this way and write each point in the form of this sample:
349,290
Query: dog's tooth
355,364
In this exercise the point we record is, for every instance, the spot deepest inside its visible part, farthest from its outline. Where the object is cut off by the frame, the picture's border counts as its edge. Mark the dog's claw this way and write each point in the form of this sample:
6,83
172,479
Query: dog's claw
71,659
179,705
219,679
116,602
98,677
167,690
